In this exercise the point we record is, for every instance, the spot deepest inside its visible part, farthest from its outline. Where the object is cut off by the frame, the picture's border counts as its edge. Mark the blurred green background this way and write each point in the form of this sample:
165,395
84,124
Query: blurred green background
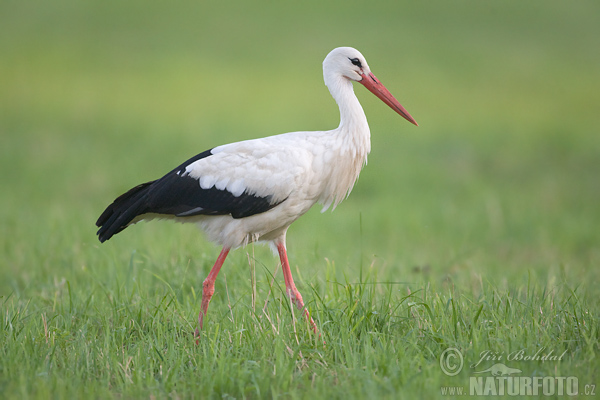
500,178
485,217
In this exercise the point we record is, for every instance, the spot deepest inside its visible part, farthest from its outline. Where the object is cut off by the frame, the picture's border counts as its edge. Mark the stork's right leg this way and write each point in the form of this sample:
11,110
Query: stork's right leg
208,287
290,287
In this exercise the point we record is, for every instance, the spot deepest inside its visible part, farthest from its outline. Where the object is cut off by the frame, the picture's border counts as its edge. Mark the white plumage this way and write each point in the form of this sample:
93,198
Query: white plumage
253,190
301,168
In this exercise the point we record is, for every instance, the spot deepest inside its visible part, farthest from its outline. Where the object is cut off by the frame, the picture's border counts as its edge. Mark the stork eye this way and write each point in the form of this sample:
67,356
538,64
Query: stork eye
356,62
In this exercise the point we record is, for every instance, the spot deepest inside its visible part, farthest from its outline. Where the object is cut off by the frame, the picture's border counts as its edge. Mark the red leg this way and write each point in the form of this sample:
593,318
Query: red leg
290,287
208,287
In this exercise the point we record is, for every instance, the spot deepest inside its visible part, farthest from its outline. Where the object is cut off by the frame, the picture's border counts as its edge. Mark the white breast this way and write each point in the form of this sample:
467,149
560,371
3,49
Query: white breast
297,169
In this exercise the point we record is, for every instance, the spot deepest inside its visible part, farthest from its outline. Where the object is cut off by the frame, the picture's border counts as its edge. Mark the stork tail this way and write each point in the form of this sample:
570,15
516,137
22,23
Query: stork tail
122,211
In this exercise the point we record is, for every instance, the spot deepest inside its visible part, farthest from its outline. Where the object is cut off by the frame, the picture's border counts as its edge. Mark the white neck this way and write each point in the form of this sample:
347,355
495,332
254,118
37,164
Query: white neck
353,141
352,116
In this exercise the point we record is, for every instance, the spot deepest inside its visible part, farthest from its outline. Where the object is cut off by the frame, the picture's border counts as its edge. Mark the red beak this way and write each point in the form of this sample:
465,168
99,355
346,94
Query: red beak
372,83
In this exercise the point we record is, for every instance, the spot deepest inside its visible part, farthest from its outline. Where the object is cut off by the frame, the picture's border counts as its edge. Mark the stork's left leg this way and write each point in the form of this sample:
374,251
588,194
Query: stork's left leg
290,287
208,287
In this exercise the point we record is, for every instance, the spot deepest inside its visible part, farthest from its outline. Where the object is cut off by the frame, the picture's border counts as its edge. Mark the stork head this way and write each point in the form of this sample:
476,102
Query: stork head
349,63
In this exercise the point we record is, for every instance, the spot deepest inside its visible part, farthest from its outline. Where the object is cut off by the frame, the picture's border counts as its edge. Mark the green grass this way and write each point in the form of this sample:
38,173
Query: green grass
476,231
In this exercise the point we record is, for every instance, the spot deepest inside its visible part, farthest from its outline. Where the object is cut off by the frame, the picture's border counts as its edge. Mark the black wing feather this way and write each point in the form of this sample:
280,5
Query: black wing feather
180,195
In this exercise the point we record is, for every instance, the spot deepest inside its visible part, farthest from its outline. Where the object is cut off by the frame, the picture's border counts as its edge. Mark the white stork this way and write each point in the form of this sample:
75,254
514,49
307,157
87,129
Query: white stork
251,191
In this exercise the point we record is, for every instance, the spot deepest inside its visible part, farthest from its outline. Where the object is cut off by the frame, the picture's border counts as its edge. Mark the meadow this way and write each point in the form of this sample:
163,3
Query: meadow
476,231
